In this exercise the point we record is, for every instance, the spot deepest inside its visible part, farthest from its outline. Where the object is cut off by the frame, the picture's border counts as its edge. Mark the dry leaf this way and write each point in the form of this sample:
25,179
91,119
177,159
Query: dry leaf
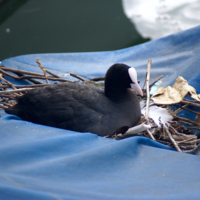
174,94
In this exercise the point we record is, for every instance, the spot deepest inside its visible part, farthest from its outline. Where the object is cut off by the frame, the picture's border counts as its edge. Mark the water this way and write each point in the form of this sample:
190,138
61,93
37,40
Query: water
48,26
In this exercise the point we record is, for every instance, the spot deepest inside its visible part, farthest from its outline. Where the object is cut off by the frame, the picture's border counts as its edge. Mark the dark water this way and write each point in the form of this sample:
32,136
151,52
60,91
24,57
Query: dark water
49,26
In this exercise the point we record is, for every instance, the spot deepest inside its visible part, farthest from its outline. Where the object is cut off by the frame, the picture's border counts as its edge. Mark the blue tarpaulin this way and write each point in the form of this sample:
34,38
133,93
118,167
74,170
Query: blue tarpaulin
40,162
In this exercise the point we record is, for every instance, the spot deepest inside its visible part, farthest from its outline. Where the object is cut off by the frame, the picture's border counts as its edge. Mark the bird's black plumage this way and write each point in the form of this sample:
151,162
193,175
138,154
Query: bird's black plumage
82,107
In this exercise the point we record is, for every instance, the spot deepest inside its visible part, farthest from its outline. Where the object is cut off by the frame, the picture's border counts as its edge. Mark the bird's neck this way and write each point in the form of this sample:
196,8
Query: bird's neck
115,92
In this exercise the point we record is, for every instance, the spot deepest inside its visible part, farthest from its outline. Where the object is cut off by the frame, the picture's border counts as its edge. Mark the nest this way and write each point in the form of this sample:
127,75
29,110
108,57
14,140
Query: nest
177,133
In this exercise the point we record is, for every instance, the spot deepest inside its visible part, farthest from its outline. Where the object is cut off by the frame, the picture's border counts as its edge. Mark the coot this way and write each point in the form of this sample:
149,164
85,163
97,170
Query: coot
85,108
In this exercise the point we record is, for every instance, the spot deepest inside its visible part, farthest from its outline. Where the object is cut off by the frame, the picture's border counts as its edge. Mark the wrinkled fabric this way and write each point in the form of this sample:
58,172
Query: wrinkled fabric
40,162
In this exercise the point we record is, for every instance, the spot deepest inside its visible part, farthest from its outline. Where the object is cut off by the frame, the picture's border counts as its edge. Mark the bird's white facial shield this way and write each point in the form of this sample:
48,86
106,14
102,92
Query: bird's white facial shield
135,86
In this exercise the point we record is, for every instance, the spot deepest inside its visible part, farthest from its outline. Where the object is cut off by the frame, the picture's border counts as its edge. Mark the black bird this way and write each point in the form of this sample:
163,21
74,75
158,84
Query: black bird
85,108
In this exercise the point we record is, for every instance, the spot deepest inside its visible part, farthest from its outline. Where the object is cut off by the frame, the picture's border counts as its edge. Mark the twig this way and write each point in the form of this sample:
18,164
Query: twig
10,75
195,151
165,142
9,96
148,96
51,73
155,81
77,76
180,136
172,139
17,71
34,81
174,130
3,107
145,81
187,120
14,91
24,86
194,141
182,107
191,103
187,146
147,89
10,84
43,69
42,77
150,134
102,78
38,77
21,76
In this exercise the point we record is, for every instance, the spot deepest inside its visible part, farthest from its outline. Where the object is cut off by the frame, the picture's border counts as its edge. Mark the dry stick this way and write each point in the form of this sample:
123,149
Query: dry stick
165,142
180,134
4,103
150,134
14,91
182,107
10,84
145,81
42,77
190,142
102,78
24,86
77,76
21,77
187,146
190,100
10,75
172,139
38,77
35,75
34,81
51,73
187,120
155,81
194,151
3,106
19,71
193,127
173,122
147,89
189,123
191,103
148,96
9,96
43,69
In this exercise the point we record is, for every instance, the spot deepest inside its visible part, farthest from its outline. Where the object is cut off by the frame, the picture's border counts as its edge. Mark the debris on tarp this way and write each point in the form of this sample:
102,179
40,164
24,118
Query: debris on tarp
176,93
158,114
160,106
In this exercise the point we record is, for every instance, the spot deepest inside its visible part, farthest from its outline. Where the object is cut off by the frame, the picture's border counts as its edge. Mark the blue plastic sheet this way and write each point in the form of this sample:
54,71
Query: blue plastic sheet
40,162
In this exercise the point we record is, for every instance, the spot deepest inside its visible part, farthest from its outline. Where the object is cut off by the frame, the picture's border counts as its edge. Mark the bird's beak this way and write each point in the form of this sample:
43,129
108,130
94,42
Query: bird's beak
135,86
